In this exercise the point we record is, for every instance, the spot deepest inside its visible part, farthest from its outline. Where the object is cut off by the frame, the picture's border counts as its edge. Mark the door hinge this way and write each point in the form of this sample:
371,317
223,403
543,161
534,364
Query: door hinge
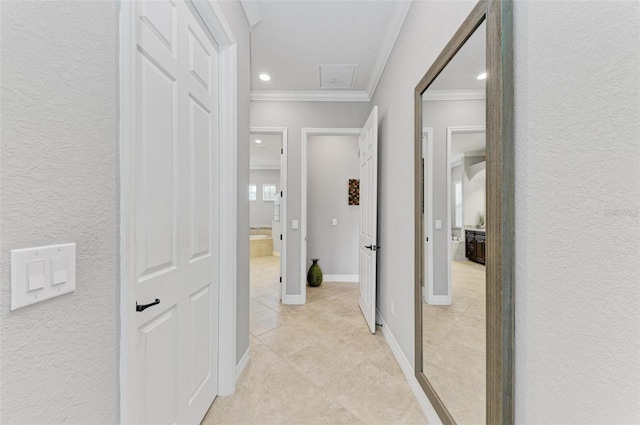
281,151
427,238
281,195
280,279
281,236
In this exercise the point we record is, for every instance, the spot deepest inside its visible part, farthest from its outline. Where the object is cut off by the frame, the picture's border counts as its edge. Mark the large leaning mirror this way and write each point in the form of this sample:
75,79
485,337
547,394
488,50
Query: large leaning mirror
464,222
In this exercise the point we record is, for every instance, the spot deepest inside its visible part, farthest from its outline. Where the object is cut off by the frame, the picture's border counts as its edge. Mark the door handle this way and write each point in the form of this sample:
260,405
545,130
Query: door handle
372,247
146,306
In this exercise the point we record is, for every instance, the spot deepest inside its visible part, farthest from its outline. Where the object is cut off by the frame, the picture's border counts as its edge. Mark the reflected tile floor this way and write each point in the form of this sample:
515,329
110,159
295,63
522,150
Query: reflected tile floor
314,364
454,344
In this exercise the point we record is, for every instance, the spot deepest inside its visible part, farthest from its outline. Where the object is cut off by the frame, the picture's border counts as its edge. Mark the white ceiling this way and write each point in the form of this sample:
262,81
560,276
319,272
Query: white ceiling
266,155
292,38
463,70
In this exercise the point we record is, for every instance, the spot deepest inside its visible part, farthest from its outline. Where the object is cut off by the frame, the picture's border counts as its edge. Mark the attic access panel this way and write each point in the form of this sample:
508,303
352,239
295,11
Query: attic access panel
337,76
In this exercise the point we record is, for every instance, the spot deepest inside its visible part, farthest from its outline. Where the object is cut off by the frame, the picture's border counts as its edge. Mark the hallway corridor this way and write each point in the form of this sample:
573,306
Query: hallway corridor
314,364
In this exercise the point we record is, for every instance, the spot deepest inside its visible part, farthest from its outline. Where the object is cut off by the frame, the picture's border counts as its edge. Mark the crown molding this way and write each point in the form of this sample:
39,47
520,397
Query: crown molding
310,96
251,12
386,46
471,94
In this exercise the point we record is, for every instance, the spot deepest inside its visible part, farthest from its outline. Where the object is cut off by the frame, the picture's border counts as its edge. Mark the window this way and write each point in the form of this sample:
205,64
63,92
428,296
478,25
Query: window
458,200
268,192
252,192
276,208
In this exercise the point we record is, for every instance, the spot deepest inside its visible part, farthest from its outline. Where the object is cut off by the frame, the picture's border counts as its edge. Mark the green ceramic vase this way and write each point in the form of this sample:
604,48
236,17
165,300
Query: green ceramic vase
314,276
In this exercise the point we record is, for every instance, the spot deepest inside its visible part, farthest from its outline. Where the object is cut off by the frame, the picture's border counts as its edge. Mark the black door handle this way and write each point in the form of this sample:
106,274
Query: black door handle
146,306
372,247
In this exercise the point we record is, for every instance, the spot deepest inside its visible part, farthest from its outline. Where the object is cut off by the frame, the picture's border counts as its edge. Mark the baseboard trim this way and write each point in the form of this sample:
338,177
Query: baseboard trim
275,253
340,278
438,300
293,300
409,373
242,364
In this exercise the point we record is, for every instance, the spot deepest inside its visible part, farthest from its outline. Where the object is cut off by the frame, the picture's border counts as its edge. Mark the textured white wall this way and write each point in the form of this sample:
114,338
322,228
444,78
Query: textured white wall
577,69
332,161
59,183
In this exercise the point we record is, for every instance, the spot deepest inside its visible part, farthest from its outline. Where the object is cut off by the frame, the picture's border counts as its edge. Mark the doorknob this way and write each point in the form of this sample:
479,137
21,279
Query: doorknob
146,306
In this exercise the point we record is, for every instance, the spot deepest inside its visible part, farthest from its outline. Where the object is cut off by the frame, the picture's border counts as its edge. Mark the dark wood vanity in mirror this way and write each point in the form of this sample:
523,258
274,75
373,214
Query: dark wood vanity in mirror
464,243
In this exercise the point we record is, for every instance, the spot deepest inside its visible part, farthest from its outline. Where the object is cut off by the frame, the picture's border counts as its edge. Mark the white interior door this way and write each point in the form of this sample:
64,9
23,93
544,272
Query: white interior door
176,144
368,148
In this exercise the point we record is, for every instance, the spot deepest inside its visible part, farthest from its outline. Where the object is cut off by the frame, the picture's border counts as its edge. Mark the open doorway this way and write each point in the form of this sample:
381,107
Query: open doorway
332,212
305,260
267,205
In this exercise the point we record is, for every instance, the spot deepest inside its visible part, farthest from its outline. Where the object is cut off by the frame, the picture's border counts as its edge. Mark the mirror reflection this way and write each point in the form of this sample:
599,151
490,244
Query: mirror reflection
454,171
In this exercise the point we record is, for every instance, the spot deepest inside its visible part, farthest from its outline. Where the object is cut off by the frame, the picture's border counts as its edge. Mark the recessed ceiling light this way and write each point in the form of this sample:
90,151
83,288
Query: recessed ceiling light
482,76
258,141
264,76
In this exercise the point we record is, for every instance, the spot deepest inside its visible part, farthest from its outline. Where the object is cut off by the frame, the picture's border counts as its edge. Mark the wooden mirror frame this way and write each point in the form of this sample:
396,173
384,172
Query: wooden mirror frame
498,15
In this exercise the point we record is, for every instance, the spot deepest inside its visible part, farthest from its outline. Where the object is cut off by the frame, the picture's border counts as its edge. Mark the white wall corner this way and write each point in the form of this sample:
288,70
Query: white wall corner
243,363
252,13
409,373
386,46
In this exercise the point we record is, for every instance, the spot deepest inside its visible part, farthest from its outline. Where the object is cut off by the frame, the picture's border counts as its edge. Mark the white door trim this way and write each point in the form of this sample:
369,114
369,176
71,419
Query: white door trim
282,131
215,25
306,132
427,147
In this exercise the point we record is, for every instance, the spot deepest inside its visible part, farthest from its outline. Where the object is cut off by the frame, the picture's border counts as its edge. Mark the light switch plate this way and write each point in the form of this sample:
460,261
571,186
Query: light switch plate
438,224
35,275
294,224
334,221
41,273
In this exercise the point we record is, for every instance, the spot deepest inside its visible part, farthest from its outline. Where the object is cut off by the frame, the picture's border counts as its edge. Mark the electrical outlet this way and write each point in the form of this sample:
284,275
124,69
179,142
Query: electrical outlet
393,309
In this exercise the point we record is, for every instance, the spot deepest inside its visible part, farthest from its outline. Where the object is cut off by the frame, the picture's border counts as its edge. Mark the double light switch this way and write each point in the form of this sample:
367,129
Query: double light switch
41,273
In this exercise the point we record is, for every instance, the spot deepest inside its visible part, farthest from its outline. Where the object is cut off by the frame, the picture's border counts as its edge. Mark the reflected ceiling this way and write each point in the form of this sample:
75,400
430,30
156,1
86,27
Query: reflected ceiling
462,72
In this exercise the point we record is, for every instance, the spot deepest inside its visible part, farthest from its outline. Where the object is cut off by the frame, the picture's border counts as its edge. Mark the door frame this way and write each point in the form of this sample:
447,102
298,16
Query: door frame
210,15
284,159
451,131
306,132
427,146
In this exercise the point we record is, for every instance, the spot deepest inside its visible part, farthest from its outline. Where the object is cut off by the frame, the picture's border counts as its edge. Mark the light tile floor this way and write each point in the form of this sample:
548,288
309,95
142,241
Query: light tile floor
314,364
454,345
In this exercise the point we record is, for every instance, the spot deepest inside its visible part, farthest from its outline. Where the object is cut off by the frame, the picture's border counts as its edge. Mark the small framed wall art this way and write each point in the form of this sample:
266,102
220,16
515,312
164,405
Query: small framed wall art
354,191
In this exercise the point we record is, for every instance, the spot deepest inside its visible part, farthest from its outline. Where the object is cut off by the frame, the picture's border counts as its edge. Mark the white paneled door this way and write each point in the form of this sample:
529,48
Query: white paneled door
176,143
368,148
